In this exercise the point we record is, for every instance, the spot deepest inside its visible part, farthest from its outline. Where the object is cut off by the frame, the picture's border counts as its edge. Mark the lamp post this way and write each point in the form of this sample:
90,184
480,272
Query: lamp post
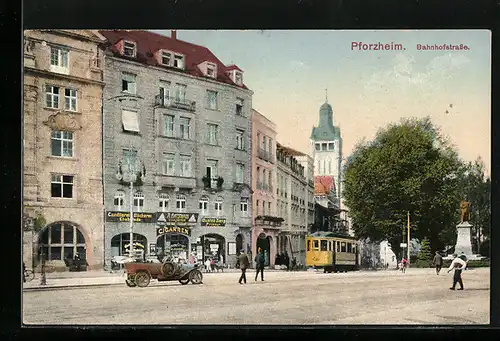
43,278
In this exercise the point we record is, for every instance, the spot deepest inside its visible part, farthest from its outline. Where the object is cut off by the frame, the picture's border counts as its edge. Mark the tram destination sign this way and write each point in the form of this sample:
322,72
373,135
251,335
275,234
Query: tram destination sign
213,222
176,219
139,217
171,229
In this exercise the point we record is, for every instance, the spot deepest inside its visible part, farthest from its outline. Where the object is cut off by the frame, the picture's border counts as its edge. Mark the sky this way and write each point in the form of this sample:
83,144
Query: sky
289,70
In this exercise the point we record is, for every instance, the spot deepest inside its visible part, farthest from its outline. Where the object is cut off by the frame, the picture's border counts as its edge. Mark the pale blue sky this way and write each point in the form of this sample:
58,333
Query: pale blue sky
289,71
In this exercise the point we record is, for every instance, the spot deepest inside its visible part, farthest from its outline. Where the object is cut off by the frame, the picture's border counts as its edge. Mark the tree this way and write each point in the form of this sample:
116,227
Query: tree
408,167
424,257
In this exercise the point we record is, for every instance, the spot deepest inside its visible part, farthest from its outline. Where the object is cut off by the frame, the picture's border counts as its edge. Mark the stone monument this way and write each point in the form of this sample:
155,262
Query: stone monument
464,241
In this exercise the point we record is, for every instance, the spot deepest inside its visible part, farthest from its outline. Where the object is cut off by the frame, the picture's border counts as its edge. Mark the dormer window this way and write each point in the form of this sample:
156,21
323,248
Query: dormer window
179,61
166,58
238,78
129,48
211,70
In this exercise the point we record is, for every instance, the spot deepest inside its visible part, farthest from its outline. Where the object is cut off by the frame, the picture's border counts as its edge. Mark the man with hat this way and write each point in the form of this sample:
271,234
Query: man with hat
438,262
244,263
459,264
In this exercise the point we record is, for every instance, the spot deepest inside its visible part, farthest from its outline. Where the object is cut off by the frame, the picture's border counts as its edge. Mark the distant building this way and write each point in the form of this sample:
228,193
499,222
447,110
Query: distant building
180,120
62,154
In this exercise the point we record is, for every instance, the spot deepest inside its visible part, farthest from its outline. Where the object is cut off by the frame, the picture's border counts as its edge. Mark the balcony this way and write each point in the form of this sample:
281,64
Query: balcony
265,155
176,181
175,103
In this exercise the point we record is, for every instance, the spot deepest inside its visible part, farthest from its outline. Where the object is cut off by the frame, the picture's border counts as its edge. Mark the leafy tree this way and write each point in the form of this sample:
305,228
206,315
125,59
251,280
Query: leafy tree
424,257
408,167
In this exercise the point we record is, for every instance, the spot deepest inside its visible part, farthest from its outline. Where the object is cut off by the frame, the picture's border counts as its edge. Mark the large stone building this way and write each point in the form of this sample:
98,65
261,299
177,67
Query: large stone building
307,162
62,155
266,225
177,124
292,203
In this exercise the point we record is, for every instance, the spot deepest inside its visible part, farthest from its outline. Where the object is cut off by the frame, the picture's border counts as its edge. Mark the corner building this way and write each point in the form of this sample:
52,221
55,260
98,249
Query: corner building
62,154
180,121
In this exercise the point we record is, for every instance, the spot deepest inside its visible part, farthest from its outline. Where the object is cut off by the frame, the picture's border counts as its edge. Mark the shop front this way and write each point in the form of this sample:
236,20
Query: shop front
264,236
173,242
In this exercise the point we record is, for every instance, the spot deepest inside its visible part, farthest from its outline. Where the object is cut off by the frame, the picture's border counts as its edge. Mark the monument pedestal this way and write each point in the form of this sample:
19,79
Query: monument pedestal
464,242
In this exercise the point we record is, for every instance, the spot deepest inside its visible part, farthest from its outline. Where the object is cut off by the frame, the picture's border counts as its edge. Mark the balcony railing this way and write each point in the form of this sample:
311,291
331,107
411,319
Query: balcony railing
265,155
173,102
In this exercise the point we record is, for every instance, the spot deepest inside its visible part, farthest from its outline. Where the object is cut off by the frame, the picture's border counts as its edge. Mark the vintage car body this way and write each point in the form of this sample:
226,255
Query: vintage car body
140,274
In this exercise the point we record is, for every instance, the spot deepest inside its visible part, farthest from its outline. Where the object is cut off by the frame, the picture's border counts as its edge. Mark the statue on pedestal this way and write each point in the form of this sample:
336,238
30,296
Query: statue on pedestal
464,210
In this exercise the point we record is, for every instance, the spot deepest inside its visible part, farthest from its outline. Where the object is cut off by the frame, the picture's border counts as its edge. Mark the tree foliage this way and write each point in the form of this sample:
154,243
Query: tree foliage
424,256
408,167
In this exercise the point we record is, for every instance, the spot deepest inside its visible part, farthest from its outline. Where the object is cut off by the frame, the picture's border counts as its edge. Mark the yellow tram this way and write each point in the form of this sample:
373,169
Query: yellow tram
331,252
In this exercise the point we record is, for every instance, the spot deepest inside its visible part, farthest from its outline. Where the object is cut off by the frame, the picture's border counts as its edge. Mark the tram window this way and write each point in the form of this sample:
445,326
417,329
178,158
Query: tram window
309,245
342,247
330,246
324,245
349,247
338,246
354,249
316,245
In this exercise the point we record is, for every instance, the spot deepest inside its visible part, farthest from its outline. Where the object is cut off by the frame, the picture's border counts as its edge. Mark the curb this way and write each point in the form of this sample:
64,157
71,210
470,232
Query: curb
70,287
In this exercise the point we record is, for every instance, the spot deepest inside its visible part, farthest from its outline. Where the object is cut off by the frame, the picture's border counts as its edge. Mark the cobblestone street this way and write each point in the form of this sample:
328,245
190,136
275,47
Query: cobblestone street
380,297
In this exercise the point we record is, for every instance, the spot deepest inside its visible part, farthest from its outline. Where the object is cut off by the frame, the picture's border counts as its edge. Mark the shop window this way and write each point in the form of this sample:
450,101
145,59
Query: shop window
62,241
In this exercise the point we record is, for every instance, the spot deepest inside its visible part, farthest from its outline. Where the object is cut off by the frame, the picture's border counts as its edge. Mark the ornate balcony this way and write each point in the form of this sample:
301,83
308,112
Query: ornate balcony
265,155
176,103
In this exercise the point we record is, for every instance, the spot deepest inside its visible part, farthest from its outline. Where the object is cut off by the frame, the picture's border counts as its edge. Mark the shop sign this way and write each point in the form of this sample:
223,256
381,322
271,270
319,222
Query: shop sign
139,217
172,229
175,218
213,222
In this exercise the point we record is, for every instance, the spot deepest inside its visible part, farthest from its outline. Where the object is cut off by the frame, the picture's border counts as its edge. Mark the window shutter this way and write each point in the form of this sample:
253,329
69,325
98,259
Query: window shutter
130,121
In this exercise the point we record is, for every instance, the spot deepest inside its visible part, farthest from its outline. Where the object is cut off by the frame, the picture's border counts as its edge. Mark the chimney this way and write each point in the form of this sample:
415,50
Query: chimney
173,35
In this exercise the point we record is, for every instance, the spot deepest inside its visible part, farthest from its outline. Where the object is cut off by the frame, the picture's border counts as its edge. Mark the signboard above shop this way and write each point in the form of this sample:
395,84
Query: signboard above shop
139,217
176,219
171,229
213,222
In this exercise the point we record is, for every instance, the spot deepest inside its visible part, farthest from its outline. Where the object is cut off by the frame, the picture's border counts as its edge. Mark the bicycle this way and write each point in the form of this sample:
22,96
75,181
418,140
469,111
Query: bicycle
29,275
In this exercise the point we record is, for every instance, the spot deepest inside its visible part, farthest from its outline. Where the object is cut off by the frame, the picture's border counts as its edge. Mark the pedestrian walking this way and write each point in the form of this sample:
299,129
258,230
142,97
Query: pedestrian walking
458,264
212,265
438,262
404,265
207,264
244,263
260,261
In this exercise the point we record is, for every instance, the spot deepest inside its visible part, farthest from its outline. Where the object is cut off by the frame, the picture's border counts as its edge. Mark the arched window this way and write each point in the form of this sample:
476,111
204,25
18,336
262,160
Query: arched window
218,205
180,202
62,241
119,200
204,204
163,200
138,201
244,206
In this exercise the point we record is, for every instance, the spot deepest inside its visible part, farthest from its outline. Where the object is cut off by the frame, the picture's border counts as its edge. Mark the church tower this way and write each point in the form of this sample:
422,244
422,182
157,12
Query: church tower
327,149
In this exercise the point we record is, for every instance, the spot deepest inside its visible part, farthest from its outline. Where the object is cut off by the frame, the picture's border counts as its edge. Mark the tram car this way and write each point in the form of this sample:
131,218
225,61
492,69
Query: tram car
331,252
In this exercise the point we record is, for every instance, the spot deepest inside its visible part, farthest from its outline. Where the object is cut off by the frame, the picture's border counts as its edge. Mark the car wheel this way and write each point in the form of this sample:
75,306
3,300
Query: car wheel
142,279
196,277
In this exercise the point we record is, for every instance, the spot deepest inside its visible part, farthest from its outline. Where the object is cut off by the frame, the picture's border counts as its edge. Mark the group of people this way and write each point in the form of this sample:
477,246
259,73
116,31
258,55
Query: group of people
284,259
244,263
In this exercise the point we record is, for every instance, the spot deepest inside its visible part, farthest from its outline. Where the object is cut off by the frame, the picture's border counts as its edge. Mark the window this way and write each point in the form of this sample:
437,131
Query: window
315,244
129,48
309,245
270,146
257,206
184,128
166,58
239,107
258,174
130,121
58,60
238,78
212,99
244,206
324,245
263,207
329,167
180,93
179,61
212,136
52,96
211,169
211,71
163,200
264,143
318,146
349,247
342,247
218,206
330,246
169,164
138,201
270,180
119,200
61,186
204,204
129,83
240,173
165,92
62,143
130,160
323,146
185,166
330,146
168,121
264,177
180,203
240,139
62,241
70,99
269,208
338,246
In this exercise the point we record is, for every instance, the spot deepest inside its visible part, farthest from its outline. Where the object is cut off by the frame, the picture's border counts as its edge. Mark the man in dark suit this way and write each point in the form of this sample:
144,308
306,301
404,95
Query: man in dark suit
244,263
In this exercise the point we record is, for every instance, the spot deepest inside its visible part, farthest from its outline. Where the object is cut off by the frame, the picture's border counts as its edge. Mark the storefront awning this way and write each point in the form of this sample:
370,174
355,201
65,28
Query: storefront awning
327,212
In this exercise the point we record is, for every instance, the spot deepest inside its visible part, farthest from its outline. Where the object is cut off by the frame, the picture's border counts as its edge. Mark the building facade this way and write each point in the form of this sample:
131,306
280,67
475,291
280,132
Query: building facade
177,142
307,162
292,199
266,224
62,153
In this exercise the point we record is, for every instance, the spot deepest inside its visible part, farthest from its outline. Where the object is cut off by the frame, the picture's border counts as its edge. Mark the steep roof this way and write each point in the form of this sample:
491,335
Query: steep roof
289,151
149,43
323,185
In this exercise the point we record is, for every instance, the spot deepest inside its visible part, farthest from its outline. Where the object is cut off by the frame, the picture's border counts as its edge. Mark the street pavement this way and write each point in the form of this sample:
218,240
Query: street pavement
306,298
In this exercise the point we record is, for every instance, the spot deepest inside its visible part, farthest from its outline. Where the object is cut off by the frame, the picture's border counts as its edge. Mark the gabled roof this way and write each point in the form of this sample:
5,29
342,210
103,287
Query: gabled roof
324,185
233,67
148,43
